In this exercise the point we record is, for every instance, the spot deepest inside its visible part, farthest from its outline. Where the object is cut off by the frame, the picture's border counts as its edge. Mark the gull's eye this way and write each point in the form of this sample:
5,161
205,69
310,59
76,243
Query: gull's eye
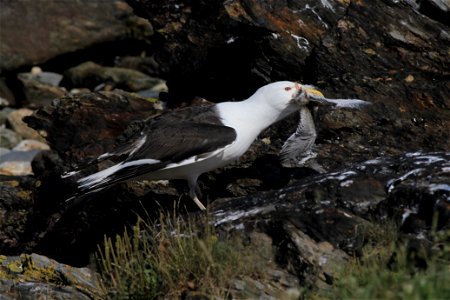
287,88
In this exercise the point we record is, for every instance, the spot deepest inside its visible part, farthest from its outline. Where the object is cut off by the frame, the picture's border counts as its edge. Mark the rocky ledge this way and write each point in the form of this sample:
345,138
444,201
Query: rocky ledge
386,163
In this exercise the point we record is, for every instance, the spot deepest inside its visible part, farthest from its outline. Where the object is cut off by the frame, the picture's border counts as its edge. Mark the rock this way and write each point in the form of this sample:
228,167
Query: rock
41,89
6,95
16,122
91,75
18,161
82,126
8,138
48,78
154,92
143,64
16,207
28,145
4,151
251,43
315,222
3,102
438,10
35,276
278,283
51,30
4,114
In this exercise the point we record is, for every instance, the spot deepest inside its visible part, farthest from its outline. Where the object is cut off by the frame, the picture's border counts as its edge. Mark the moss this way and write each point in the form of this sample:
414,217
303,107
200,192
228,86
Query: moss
44,273
11,183
15,267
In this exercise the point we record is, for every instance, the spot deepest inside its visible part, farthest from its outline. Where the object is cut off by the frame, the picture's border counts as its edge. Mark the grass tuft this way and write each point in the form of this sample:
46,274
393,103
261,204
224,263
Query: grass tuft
172,258
388,270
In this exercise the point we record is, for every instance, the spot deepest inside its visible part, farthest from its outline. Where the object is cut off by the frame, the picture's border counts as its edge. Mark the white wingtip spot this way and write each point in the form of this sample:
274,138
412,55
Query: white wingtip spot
104,155
69,174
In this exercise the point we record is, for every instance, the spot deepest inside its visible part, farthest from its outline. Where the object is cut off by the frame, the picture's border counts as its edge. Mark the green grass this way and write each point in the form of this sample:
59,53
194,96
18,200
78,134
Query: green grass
386,270
171,258
174,258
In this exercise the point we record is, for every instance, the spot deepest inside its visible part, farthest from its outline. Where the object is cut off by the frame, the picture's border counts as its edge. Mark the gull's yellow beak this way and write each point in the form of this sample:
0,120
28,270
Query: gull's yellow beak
314,92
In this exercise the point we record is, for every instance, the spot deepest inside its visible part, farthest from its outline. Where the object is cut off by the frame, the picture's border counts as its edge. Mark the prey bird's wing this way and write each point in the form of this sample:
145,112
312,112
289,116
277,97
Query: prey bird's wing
297,150
300,143
337,103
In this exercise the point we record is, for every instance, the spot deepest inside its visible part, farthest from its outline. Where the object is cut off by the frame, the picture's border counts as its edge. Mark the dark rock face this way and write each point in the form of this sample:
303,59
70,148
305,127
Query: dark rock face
333,208
388,161
16,206
398,60
70,27
81,127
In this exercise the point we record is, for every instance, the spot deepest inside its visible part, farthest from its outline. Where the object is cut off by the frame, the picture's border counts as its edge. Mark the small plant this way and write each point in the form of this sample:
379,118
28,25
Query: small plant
173,257
386,271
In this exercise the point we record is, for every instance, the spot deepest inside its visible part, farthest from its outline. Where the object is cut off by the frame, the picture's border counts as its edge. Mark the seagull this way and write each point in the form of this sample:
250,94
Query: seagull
187,142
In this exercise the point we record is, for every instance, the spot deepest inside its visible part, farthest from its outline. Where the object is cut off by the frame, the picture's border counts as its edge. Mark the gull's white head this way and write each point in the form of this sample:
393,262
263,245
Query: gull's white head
286,96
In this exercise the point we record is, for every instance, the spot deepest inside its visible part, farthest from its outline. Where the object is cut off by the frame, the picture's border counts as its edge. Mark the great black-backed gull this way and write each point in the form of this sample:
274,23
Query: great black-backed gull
185,143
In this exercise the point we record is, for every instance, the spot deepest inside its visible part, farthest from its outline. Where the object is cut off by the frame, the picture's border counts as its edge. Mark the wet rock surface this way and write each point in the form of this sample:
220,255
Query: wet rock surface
388,161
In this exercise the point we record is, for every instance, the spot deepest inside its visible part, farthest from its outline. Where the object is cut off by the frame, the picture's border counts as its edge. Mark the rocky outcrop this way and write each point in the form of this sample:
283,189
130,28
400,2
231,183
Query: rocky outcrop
385,52
387,161
35,32
82,126
37,277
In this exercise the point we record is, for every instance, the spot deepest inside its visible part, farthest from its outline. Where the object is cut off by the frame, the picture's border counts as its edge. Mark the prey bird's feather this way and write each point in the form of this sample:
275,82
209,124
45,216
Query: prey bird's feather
338,103
300,143
297,149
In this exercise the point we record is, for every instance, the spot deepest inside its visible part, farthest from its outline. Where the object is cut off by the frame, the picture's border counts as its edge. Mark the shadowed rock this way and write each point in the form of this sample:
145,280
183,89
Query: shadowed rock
57,27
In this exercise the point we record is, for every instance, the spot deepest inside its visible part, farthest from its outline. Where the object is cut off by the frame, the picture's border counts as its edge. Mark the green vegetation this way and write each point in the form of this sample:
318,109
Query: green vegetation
174,258
171,258
388,270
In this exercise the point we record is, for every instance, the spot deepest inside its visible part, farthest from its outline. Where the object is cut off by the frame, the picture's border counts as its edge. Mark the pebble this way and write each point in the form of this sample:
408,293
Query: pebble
15,168
4,114
20,127
19,156
39,90
36,70
4,102
3,151
28,145
18,161
8,138
48,78
6,95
